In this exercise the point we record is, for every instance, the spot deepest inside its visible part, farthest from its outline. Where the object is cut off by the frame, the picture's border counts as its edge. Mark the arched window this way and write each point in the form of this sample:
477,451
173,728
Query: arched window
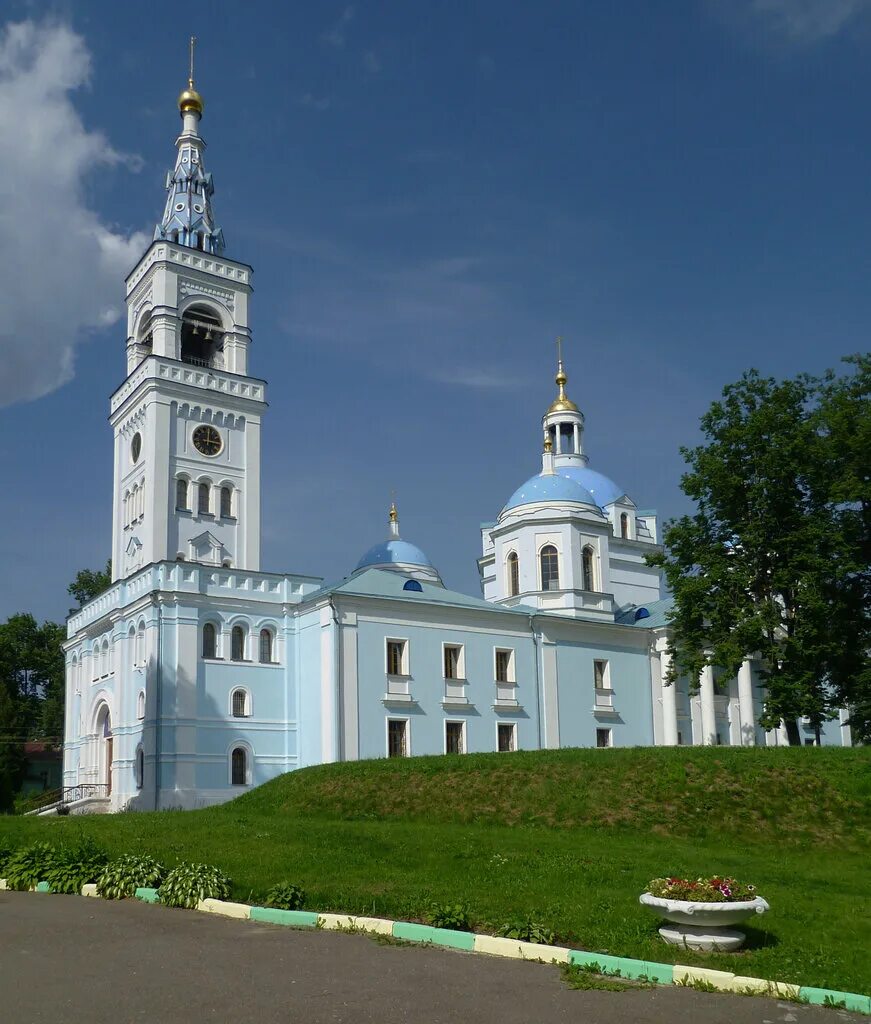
513,574
139,656
239,766
140,767
210,641
549,568
226,502
140,704
204,499
266,646
589,578
237,643
181,494
240,704
624,524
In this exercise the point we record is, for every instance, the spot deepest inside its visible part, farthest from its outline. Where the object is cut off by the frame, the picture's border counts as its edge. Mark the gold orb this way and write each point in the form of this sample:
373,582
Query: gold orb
189,99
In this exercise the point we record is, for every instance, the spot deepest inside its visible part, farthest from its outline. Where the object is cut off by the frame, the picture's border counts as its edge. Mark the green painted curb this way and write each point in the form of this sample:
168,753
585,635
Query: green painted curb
852,1001
607,963
295,918
147,895
437,936
42,887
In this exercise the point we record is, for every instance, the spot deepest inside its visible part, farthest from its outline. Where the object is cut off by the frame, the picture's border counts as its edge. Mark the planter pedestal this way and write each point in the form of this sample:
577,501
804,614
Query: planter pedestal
704,939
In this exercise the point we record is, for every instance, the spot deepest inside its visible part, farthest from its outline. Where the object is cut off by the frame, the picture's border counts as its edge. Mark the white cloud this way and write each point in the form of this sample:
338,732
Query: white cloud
337,35
62,264
800,22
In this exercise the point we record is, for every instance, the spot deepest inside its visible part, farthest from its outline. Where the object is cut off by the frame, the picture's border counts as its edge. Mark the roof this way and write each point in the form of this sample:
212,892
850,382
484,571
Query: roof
549,487
656,618
603,489
394,551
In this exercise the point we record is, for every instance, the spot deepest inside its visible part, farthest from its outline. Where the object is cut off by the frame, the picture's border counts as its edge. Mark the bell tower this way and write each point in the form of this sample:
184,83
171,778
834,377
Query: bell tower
186,419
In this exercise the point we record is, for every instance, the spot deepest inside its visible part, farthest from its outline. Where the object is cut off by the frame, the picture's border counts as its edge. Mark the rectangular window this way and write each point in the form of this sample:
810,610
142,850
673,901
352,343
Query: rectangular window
397,664
603,737
453,656
679,738
600,674
504,666
454,743
507,736
397,737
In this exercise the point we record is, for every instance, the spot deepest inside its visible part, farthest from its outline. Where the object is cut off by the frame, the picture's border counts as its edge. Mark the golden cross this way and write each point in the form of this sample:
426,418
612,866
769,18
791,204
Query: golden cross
559,348
191,76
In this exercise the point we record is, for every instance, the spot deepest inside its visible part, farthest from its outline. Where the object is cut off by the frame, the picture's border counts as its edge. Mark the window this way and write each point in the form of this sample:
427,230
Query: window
139,648
240,704
266,646
454,741
624,525
513,574
397,737
239,767
210,641
226,502
453,655
549,568
600,675
603,737
140,705
140,767
396,660
181,495
237,643
504,666
506,734
589,581
204,499
679,738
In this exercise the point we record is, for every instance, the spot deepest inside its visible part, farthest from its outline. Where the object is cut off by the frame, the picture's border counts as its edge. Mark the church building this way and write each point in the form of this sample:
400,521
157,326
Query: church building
197,674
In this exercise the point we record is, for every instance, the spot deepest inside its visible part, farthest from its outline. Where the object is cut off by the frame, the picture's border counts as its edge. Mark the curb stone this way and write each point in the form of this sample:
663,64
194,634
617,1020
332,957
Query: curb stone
676,974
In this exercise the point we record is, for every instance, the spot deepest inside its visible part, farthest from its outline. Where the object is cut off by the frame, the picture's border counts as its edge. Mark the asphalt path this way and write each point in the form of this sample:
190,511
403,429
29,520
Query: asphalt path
69,959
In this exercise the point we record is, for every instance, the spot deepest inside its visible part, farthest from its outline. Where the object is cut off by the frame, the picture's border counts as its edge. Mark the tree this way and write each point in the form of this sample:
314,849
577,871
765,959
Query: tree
775,560
90,582
11,750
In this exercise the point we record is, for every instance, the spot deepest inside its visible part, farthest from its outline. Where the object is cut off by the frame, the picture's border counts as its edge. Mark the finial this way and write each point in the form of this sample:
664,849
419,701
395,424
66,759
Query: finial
191,73
562,403
548,442
394,516
394,521
189,100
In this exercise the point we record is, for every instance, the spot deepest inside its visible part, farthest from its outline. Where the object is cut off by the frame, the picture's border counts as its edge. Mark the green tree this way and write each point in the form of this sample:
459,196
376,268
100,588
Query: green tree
11,750
775,560
90,582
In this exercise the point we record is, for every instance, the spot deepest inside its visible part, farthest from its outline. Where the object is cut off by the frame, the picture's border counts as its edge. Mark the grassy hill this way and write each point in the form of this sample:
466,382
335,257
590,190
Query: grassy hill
794,795
569,838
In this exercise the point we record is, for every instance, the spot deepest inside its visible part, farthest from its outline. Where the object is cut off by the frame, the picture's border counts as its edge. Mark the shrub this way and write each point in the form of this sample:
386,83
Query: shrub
124,876
29,865
75,866
524,929
5,857
450,915
285,896
187,884
717,889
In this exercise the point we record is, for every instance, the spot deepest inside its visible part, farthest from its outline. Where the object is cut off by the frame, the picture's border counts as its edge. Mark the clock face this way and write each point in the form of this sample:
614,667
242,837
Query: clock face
207,441
136,447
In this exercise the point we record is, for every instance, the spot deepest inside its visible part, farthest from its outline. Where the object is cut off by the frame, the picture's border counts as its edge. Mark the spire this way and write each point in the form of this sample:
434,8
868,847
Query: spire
187,217
394,522
562,403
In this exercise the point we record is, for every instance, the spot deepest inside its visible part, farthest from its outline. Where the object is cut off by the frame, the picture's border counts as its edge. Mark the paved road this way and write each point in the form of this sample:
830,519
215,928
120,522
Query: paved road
68,959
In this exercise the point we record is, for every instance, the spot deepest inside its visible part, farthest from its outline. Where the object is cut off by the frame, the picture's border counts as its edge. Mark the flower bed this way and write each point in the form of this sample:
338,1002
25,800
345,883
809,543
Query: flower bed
702,890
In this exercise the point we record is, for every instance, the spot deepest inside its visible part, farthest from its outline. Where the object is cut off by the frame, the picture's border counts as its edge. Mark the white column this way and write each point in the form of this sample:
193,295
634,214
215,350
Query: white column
577,440
669,702
709,717
746,711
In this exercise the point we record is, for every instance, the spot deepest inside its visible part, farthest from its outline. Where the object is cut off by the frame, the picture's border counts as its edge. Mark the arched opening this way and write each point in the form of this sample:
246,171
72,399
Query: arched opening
237,643
104,748
513,574
140,767
226,502
204,498
181,494
566,444
587,568
140,705
549,559
266,646
240,703
624,525
202,337
210,641
239,766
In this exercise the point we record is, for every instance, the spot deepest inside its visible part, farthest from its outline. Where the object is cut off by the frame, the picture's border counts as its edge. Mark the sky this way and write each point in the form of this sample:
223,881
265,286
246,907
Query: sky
429,194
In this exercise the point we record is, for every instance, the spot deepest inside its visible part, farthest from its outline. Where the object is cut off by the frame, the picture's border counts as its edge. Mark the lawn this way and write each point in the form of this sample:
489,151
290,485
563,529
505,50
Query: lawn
567,837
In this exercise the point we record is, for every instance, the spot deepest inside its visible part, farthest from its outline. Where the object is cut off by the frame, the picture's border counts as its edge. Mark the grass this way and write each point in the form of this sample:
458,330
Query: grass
569,838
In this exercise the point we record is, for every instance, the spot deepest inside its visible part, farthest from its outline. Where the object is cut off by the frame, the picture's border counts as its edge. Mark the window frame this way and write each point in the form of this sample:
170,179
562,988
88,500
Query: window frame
214,655
225,501
404,672
182,482
269,632
512,564
449,722
511,676
140,705
512,727
246,764
624,526
590,577
243,629
552,552
204,487
460,676
406,735
610,736
246,702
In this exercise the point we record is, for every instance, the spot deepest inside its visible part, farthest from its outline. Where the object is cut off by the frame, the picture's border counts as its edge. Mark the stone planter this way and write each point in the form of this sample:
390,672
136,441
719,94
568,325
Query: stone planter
703,926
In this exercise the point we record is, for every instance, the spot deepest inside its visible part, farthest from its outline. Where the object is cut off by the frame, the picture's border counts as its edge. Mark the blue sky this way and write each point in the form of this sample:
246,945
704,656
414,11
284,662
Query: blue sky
428,193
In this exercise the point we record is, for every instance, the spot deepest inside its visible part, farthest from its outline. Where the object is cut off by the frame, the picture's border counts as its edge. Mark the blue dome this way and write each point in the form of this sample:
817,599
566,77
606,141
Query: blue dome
549,487
603,490
394,552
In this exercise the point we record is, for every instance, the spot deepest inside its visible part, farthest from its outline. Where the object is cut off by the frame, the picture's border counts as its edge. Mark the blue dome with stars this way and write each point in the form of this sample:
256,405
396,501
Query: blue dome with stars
394,552
550,487
603,490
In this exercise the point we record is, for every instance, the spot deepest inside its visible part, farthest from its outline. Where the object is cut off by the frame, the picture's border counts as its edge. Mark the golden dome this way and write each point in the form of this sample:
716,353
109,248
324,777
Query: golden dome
562,403
189,99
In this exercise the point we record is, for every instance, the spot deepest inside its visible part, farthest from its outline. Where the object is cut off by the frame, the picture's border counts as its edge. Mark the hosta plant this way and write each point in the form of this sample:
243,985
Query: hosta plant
450,915
285,896
29,865
524,929
717,889
186,884
75,866
124,876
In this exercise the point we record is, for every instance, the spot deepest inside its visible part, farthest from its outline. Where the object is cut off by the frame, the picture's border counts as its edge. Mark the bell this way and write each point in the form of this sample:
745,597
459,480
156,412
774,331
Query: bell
209,334
195,331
